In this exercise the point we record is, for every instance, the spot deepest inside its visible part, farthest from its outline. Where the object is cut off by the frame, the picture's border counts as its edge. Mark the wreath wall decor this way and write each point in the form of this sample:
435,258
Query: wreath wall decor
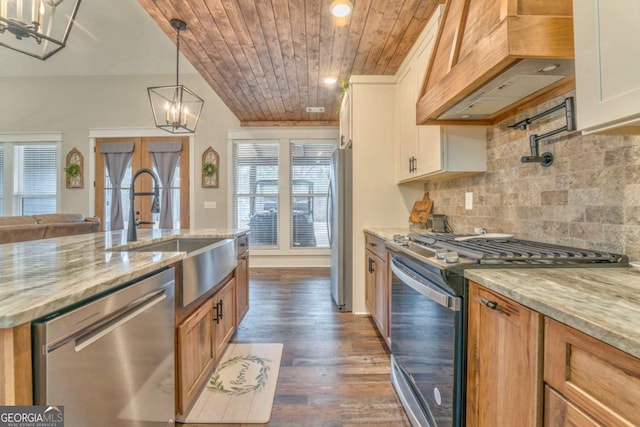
210,168
74,169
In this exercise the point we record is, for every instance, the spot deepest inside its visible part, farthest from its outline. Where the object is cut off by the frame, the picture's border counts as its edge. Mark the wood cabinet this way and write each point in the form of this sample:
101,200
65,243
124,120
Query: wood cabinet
504,361
596,384
377,284
606,37
224,316
559,412
196,352
202,337
427,152
242,278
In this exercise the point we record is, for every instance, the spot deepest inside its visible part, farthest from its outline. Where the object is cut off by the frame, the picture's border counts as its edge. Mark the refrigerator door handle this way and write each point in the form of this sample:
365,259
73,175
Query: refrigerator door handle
330,212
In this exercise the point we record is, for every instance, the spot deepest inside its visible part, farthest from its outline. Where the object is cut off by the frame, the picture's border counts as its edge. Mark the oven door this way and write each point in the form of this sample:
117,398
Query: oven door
427,339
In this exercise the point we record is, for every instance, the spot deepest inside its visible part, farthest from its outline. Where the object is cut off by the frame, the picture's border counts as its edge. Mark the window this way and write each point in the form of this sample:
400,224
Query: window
280,191
29,174
255,190
309,181
35,178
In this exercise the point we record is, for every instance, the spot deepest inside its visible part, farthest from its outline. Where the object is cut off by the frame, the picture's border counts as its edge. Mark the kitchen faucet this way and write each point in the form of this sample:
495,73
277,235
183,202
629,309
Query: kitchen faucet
132,235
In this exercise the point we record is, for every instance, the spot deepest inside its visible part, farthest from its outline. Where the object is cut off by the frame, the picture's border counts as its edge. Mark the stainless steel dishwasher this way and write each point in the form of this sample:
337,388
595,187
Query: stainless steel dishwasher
111,362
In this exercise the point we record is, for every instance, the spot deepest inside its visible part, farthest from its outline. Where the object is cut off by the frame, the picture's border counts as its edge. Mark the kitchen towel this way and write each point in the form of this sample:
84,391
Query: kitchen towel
241,389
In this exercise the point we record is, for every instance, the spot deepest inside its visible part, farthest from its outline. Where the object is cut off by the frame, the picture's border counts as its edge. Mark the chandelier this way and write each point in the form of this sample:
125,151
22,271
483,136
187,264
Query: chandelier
176,109
37,28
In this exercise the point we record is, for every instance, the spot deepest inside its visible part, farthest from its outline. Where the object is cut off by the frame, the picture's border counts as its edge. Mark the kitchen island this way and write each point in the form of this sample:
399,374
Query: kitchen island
41,277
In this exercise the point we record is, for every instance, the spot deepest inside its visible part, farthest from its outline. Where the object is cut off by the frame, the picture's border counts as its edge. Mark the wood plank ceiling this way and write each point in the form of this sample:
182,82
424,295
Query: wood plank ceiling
266,59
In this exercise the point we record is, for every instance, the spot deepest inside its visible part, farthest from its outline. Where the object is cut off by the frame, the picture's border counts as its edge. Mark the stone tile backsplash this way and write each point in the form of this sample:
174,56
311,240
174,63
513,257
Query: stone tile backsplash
589,197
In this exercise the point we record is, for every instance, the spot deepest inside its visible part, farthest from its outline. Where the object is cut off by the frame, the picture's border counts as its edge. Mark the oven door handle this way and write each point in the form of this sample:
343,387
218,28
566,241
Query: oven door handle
425,288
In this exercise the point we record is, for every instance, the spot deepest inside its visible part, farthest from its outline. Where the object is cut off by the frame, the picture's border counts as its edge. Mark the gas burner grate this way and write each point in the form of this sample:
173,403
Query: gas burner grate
515,250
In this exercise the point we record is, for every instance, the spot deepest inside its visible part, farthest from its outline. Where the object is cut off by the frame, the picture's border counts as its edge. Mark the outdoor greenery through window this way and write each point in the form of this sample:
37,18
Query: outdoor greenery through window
28,178
256,190
310,169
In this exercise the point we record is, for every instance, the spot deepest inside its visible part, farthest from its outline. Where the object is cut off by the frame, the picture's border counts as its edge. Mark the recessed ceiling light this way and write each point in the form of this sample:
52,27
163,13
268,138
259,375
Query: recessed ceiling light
341,8
548,68
330,80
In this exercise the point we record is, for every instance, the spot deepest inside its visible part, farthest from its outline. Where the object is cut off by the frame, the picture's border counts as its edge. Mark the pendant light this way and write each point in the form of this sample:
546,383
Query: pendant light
37,28
176,109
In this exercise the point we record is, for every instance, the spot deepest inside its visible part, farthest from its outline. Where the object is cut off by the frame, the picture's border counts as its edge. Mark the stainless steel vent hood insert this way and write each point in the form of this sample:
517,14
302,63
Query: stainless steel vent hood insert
519,81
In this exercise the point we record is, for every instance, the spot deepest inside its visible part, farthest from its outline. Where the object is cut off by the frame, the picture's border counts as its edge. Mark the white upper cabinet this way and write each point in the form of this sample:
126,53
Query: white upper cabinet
429,152
607,62
346,135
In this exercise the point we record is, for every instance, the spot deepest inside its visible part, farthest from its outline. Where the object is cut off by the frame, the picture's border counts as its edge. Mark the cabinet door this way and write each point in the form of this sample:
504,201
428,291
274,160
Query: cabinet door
196,353
601,380
504,365
558,412
429,143
407,131
242,288
382,297
607,63
345,121
224,312
370,282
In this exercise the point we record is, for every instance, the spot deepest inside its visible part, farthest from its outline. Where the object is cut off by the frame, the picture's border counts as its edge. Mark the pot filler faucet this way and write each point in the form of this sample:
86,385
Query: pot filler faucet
132,235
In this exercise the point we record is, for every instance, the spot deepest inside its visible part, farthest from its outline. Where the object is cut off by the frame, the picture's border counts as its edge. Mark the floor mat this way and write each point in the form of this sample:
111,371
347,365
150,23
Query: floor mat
241,389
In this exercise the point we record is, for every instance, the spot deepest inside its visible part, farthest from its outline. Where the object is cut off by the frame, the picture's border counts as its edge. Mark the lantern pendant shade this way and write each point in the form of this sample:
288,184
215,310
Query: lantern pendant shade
37,28
176,109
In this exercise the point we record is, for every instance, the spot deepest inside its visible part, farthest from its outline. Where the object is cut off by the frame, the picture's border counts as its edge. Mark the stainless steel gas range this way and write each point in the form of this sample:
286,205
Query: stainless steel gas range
429,311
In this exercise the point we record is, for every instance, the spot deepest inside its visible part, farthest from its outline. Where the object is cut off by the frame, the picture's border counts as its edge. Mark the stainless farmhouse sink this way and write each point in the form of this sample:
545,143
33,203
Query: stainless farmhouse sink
208,261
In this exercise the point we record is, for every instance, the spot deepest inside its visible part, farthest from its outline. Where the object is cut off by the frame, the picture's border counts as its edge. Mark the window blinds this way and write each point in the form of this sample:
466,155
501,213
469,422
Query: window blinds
35,178
255,166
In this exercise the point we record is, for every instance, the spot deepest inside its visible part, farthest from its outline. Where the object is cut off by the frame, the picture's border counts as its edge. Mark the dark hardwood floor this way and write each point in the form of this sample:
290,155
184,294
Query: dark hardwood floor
335,367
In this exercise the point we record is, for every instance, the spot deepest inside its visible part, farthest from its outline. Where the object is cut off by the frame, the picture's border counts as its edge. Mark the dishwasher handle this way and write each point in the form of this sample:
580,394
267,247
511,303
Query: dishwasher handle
424,287
87,336
132,310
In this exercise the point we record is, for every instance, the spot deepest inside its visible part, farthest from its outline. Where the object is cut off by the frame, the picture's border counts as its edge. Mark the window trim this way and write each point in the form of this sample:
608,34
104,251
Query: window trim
10,140
284,254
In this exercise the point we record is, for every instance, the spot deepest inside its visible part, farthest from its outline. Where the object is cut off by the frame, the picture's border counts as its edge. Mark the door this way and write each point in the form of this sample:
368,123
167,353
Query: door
504,362
141,158
340,229
196,353
224,315
427,340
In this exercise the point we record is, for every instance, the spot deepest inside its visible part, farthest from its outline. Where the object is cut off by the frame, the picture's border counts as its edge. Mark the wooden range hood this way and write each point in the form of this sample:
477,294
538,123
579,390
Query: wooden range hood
490,58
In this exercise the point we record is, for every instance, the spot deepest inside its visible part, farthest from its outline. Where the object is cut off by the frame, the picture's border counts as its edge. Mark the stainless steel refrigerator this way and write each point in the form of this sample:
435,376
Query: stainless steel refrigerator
340,228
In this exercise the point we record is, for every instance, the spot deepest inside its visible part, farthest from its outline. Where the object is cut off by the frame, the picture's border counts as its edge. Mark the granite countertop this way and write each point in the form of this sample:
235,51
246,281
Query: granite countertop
601,302
387,233
41,276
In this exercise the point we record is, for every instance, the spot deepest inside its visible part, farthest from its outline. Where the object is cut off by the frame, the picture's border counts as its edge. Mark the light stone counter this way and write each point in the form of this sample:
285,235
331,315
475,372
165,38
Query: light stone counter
601,302
42,276
387,233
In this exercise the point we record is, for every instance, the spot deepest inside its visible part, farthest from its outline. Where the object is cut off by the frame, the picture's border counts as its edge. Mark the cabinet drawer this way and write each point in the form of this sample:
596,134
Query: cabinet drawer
375,245
601,380
558,412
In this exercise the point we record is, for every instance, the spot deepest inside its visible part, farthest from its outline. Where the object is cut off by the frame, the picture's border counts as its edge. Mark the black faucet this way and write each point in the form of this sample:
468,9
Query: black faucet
132,235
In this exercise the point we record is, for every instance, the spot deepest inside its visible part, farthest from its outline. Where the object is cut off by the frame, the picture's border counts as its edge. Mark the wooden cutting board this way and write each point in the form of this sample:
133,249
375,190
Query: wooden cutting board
421,210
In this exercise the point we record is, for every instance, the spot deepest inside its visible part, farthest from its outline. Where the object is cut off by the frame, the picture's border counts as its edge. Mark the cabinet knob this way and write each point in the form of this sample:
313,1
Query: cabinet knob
491,304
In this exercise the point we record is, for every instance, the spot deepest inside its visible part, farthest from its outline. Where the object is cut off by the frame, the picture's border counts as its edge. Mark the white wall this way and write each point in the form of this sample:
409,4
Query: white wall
377,200
75,105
